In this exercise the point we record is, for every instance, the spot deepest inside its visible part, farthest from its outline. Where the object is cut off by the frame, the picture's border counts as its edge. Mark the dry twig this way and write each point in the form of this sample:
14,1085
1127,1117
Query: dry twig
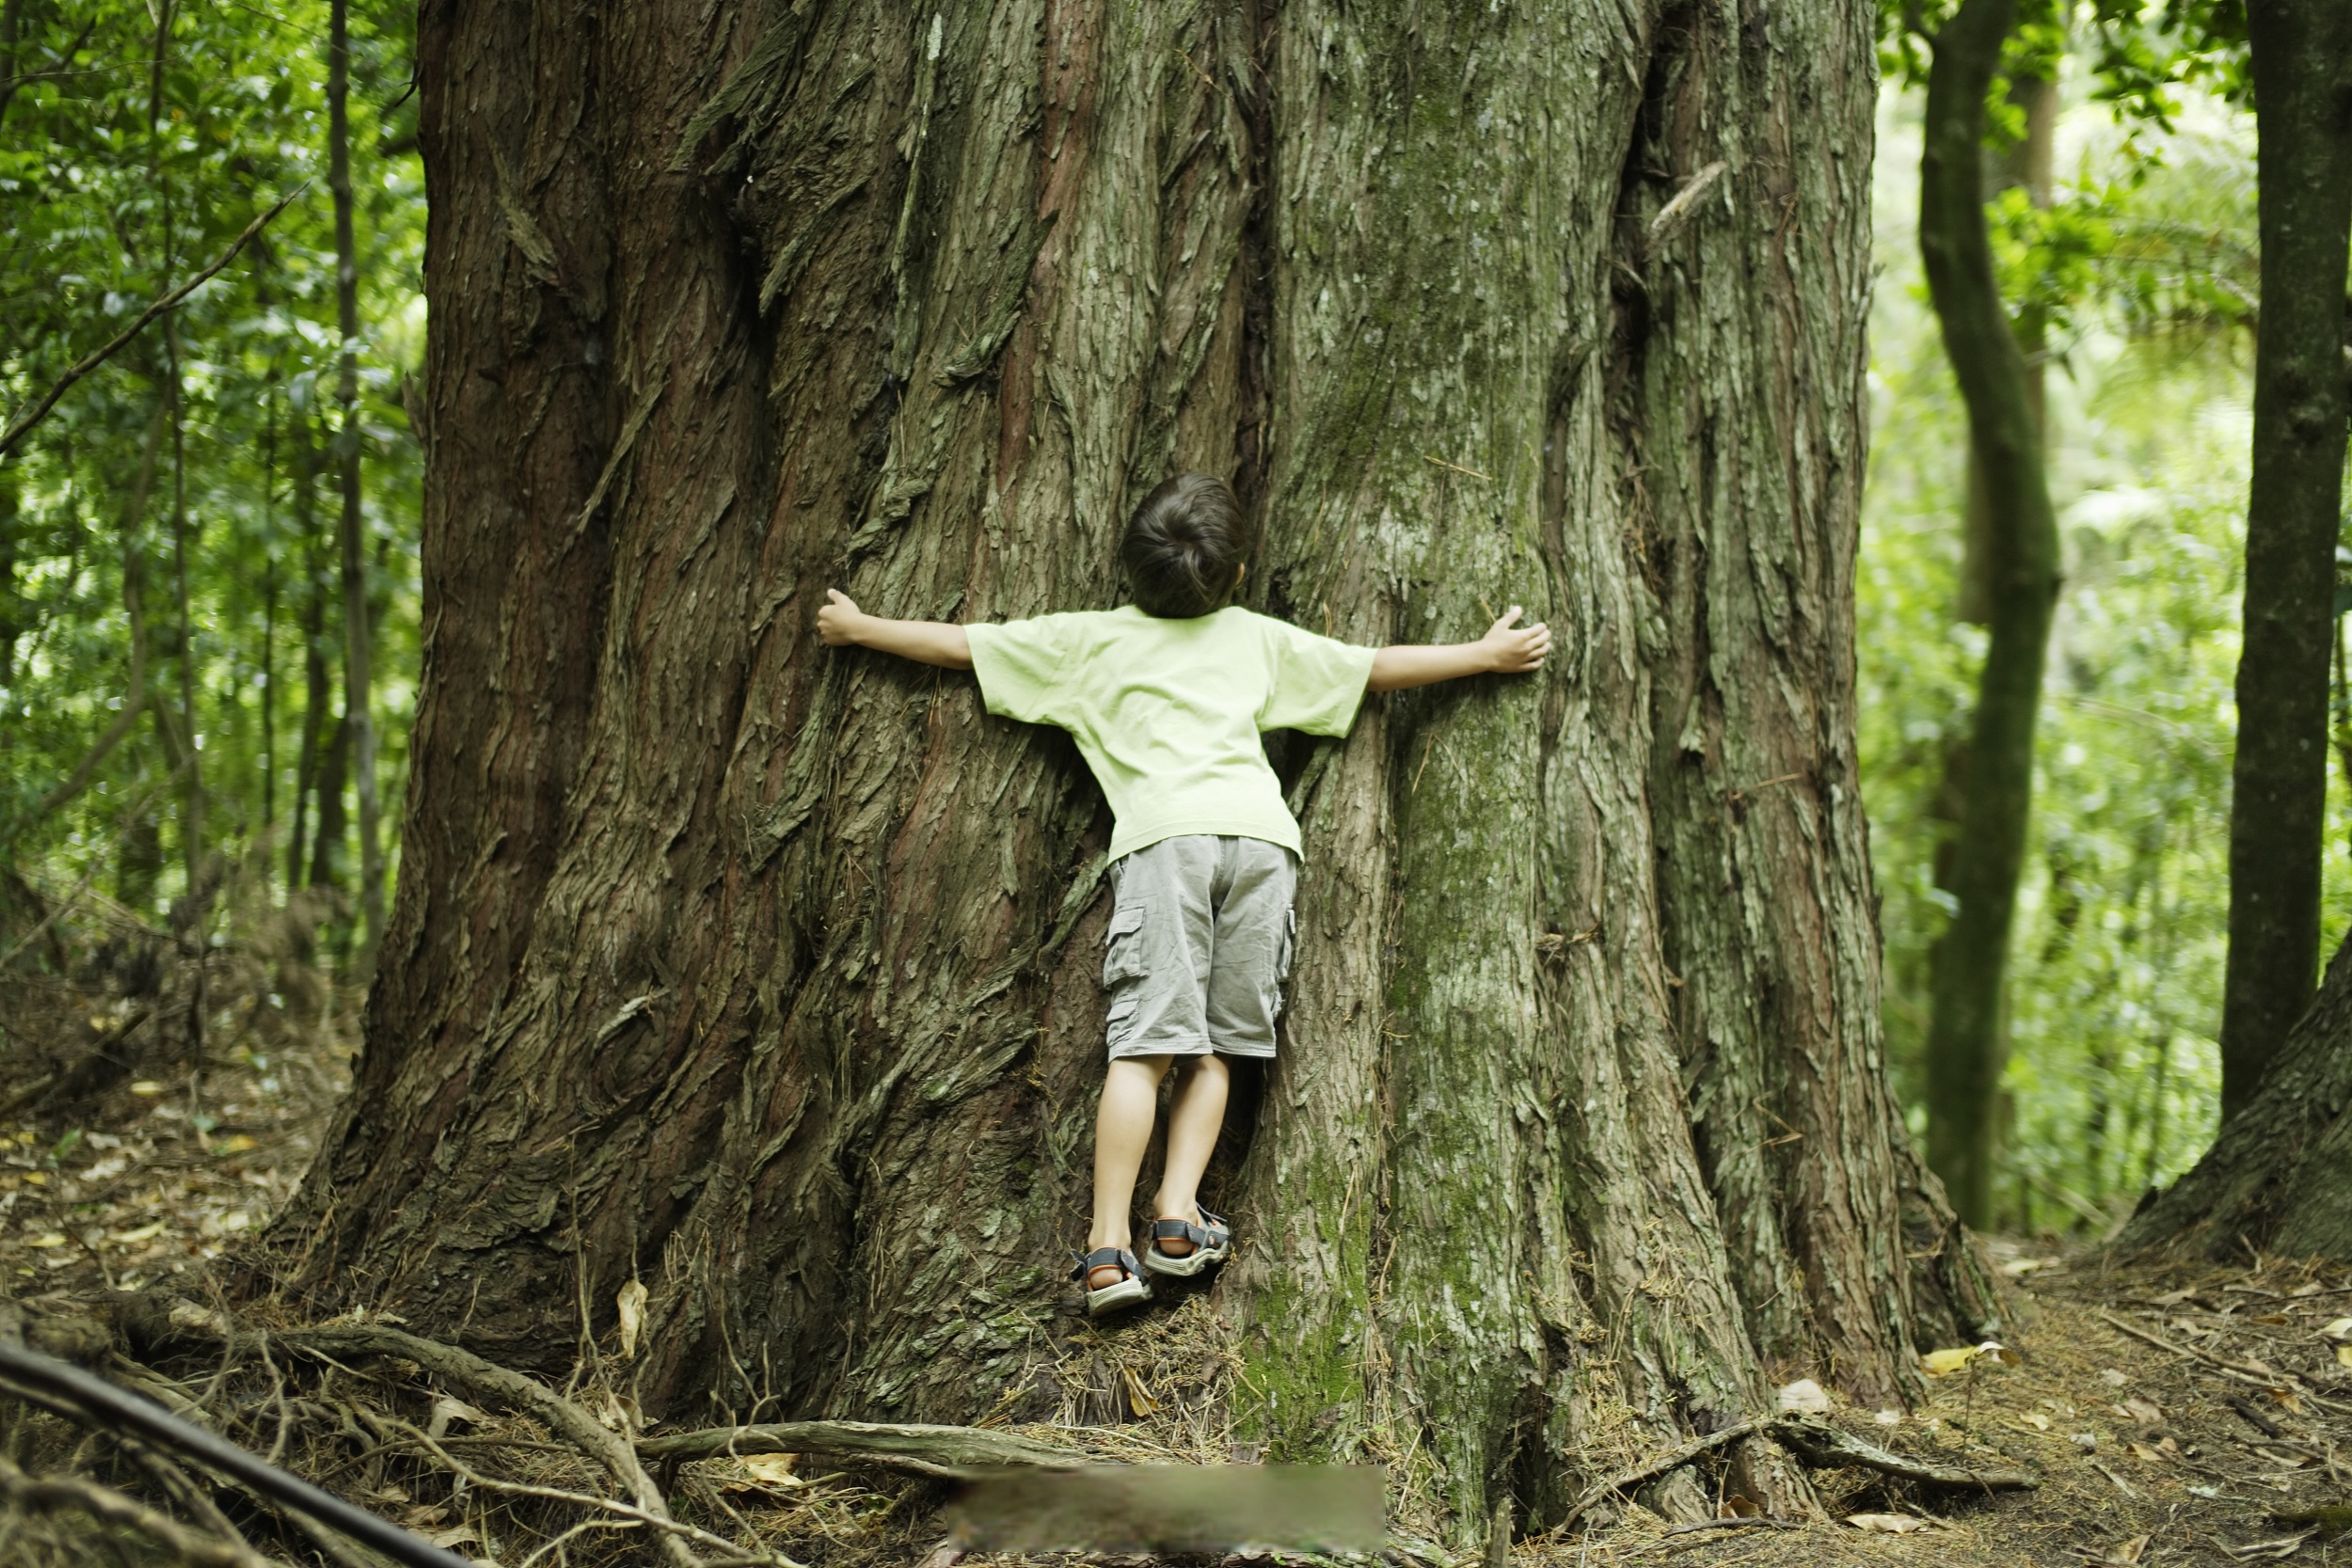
53,1494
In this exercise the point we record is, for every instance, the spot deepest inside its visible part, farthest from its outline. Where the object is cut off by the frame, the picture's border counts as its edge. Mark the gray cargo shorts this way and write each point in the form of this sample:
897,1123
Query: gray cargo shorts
1200,945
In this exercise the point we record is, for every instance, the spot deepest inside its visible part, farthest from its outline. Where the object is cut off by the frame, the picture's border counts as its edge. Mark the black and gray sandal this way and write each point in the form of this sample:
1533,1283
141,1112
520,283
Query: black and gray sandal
1130,1290
1212,1243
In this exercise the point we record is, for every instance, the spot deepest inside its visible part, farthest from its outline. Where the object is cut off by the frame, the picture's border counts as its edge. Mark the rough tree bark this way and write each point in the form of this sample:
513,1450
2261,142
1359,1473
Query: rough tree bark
2278,1175
768,974
2302,64
1965,1050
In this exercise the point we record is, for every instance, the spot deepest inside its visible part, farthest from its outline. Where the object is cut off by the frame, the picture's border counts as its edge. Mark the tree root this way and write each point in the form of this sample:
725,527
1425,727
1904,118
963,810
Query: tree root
515,1390
927,1451
1818,1443
1672,1459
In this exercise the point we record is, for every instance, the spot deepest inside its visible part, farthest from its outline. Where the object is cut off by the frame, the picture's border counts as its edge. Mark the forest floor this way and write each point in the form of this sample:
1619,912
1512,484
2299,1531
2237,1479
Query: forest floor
2173,1415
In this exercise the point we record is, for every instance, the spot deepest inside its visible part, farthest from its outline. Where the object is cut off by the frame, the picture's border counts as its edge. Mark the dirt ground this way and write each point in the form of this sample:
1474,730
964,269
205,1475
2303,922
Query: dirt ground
2172,1415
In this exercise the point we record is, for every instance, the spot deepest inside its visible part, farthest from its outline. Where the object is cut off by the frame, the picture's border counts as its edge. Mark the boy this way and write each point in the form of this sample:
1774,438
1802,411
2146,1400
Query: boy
1166,698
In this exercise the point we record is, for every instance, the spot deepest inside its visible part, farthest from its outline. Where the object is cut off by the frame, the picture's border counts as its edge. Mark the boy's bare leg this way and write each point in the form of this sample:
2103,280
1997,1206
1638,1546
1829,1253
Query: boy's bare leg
1122,1131
1196,1114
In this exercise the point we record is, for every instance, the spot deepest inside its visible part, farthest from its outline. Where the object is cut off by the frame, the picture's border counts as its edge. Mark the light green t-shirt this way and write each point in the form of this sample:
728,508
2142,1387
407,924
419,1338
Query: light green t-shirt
1167,713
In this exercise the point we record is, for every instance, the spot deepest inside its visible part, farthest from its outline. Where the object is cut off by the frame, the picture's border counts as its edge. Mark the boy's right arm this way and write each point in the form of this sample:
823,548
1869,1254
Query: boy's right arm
840,622
1506,650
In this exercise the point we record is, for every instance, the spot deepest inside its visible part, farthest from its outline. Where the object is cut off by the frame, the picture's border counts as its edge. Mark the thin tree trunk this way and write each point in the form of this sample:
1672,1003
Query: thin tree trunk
12,621
2031,164
771,973
269,634
134,693
11,13
2302,64
356,714
316,692
190,735
1965,1056
331,842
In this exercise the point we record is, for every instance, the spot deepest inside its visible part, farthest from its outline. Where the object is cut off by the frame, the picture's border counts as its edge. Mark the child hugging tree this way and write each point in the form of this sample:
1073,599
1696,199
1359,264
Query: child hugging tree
1166,698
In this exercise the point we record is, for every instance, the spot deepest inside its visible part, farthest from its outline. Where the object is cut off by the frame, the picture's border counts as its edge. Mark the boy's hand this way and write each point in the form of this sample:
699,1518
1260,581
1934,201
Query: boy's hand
1515,650
840,622
837,621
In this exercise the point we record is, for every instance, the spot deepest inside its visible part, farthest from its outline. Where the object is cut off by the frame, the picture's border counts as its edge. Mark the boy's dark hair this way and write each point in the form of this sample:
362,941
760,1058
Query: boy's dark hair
1184,548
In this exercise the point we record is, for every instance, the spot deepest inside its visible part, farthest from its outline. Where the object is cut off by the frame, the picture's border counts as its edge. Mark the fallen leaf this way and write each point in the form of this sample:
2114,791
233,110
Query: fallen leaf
2140,1410
2339,1329
462,1536
1888,1418
2126,1554
773,1469
2112,1378
37,1178
2041,1422
236,1144
53,1239
1885,1524
2145,1454
1805,1396
1739,1506
448,1408
1139,1398
633,1305
147,1087
424,1515
1943,1363
147,1232
2287,1401
2343,1355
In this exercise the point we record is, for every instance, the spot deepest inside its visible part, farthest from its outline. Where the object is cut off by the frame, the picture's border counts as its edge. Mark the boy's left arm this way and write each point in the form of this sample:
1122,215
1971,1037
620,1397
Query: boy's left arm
1506,650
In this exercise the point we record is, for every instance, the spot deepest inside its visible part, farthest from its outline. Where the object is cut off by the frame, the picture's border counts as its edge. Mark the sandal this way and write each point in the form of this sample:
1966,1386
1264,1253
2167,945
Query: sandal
1212,1243
1130,1290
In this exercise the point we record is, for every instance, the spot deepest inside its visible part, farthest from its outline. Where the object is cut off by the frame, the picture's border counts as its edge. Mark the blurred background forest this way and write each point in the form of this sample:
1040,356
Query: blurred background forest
173,550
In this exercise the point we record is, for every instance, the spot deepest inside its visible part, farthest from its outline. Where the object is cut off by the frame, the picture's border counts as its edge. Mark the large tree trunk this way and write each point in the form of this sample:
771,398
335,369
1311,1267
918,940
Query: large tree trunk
2279,1176
767,974
1966,1043
2302,61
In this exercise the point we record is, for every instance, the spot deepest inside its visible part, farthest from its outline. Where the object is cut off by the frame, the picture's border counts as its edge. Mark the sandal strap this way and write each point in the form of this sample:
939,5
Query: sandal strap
1105,1258
1214,1234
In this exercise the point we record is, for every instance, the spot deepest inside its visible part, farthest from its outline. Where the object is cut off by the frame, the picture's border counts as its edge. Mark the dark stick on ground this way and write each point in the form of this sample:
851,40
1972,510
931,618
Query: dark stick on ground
68,1391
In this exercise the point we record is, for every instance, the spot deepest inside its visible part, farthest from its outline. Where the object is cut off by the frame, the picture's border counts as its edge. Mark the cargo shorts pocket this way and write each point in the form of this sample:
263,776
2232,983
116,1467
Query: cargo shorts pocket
1286,950
1122,951
1119,1023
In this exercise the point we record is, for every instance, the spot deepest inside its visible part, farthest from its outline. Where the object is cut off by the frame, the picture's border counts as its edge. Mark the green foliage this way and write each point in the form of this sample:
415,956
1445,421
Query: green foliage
136,146
2141,270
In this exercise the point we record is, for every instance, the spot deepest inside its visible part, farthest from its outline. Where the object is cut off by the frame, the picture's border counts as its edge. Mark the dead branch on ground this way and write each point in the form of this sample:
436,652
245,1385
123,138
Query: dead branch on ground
921,1449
